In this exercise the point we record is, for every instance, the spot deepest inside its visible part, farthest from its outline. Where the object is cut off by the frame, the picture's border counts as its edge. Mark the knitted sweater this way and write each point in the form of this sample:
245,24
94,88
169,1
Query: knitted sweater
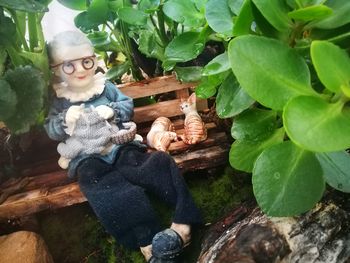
109,96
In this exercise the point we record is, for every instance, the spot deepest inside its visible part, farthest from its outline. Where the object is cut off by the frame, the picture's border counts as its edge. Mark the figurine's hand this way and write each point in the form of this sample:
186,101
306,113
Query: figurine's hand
105,111
72,115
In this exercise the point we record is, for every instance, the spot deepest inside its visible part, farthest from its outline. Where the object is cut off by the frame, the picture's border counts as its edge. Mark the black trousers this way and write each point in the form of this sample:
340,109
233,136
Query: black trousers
118,193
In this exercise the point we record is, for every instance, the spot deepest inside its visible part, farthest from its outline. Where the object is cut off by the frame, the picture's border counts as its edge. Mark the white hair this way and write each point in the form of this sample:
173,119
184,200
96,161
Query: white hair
66,38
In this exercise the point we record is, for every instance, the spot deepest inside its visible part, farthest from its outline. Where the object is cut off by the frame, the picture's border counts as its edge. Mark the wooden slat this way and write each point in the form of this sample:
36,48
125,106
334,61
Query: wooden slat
168,109
210,153
154,86
41,199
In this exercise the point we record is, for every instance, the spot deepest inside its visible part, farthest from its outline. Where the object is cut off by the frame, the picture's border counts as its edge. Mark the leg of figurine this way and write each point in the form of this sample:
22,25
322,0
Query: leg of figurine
158,174
122,208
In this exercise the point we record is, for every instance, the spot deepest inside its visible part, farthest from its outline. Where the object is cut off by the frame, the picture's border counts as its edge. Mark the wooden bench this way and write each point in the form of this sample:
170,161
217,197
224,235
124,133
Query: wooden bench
43,185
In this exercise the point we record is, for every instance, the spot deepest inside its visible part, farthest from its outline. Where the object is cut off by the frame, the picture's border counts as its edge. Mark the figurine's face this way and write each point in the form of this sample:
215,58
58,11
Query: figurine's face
76,66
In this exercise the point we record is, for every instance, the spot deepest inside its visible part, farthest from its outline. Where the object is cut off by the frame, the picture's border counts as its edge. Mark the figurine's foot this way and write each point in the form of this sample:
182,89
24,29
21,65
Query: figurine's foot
167,245
147,252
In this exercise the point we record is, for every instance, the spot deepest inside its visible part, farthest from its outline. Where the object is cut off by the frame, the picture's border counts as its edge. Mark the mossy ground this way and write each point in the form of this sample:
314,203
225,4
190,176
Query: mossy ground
73,234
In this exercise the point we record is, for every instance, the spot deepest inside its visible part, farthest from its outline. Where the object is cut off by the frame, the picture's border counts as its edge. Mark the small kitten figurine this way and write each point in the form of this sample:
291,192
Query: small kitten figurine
195,130
162,133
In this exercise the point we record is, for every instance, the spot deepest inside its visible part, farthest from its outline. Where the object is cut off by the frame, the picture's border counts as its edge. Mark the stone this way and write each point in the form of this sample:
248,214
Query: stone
24,247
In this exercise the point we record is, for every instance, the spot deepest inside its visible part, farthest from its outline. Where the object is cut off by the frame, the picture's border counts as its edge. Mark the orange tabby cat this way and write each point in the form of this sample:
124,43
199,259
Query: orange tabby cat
195,130
161,134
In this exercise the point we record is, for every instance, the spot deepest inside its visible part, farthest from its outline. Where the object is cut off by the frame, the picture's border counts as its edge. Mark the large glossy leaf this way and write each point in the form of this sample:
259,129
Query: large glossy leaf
184,47
29,86
272,78
75,5
254,124
188,74
8,100
132,16
184,12
311,13
231,98
26,6
207,86
117,71
219,16
243,153
340,16
316,125
217,65
244,20
275,11
332,65
287,180
336,168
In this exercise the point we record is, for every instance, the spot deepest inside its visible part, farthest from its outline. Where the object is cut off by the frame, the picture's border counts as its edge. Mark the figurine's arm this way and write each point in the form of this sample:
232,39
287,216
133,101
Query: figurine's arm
54,123
122,105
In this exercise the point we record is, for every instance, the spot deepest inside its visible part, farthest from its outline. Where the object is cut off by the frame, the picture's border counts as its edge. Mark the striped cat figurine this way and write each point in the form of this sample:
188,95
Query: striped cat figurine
162,133
195,130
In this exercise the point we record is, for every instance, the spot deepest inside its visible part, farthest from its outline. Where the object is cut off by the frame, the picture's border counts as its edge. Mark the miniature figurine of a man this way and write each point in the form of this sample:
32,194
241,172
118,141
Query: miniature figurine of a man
117,182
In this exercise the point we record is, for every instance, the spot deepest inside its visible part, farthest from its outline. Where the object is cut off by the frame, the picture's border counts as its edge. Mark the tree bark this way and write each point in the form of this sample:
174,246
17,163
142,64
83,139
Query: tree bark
248,235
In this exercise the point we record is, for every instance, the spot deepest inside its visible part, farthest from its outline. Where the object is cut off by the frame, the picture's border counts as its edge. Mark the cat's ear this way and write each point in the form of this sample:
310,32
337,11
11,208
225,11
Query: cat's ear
192,99
182,99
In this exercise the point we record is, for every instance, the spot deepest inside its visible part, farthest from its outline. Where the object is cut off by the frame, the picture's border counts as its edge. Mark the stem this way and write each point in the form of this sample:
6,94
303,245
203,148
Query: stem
32,31
163,35
19,31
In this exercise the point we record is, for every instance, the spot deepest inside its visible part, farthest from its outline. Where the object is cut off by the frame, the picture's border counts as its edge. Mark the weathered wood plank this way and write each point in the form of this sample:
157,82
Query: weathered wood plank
44,198
153,86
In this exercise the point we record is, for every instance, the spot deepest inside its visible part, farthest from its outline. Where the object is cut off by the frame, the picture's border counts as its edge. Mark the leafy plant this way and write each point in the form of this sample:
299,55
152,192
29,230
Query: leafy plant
291,58
24,70
157,36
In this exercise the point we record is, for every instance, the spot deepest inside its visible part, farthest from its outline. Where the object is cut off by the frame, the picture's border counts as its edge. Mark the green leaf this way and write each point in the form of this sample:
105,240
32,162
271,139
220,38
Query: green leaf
219,16
117,71
231,98
287,180
332,64
316,125
115,5
311,13
75,5
148,6
188,74
184,12
29,86
340,16
336,169
149,45
243,153
99,39
205,90
272,78
254,124
7,31
244,20
275,11
8,100
30,6
83,22
132,16
184,47
217,65
98,11
235,5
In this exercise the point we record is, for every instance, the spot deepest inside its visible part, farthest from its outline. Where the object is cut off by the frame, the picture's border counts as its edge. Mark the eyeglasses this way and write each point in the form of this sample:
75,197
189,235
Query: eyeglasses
69,68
